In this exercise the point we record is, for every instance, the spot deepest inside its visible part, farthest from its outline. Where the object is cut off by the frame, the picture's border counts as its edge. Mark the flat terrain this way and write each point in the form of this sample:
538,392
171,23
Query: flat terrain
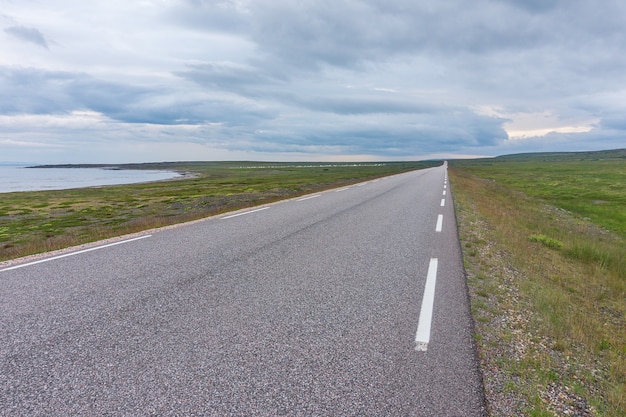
544,246
542,237
309,306
32,222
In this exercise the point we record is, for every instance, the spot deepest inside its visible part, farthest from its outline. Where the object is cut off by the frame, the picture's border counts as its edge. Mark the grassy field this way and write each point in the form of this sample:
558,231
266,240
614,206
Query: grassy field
543,240
32,222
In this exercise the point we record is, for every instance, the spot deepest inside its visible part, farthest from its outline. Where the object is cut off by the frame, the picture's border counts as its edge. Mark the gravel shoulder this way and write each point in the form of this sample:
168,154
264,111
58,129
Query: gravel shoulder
525,372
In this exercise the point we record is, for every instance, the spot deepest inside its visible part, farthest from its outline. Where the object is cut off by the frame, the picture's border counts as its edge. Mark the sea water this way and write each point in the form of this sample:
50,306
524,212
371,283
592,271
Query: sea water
20,178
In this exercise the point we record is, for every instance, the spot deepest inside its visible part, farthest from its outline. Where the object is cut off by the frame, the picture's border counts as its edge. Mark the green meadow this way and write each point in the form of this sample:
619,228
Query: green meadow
590,184
32,222
544,247
543,239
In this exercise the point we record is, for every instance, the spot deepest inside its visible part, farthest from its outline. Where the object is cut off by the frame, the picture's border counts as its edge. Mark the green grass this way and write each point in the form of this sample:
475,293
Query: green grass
32,222
553,267
589,184
546,241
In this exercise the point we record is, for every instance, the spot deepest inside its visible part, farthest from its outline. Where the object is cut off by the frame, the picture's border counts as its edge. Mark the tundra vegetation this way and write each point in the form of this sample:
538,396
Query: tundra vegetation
33,222
543,245
542,238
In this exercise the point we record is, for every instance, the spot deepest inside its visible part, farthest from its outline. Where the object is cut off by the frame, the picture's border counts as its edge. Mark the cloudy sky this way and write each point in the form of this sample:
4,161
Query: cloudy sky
161,80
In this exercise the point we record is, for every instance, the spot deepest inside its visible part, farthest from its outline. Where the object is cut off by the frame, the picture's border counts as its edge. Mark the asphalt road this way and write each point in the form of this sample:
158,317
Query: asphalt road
308,307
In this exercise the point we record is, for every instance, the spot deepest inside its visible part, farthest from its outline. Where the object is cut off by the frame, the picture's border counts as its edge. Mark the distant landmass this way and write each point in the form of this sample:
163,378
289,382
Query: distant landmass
578,156
157,165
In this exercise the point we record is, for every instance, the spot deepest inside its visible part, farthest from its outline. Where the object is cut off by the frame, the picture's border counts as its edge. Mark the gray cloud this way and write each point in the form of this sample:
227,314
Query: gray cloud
229,77
26,34
516,47
614,122
364,104
29,91
391,135
312,33
314,77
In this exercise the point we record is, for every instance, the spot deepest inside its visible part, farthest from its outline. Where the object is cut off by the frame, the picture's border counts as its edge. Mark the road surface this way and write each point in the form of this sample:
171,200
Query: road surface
350,302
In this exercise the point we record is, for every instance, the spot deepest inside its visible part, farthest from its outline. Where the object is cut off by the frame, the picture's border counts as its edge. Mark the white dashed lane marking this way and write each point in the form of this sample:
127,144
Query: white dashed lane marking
422,337
439,223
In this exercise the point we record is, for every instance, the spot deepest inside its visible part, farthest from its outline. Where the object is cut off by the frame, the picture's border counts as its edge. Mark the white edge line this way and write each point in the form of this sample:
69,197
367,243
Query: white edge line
444,192
244,213
74,253
422,337
439,223
342,189
443,202
309,197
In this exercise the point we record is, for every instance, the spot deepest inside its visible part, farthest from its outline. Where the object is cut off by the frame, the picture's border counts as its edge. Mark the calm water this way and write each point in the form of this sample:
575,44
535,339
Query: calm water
14,178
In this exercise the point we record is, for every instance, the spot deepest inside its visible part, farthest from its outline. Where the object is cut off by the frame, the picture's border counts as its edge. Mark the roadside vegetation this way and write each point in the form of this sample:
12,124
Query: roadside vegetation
33,222
543,239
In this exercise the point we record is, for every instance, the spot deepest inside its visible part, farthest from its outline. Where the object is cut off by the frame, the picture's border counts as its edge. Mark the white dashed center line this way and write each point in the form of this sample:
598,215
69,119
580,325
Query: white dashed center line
422,337
439,223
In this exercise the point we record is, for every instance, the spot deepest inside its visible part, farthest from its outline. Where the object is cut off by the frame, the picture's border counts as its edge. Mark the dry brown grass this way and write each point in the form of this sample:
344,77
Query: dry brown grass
550,319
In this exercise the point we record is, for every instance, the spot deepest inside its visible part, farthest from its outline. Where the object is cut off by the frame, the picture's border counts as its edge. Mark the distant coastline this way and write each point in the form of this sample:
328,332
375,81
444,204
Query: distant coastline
16,178
136,166
99,166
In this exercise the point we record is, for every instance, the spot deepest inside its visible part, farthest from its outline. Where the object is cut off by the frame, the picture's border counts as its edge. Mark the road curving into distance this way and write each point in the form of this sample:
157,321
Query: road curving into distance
349,302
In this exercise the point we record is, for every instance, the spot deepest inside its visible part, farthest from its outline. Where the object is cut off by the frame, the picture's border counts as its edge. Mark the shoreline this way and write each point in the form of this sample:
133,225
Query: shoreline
16,183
